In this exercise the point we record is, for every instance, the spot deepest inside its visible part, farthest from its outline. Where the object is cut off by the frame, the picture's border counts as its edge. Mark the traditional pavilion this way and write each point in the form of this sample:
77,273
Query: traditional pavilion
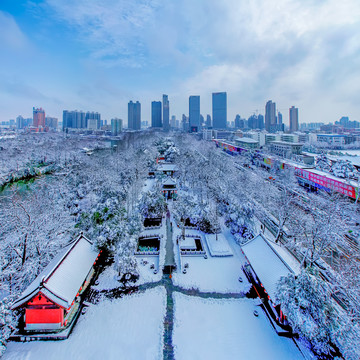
53,299
169,188
167,169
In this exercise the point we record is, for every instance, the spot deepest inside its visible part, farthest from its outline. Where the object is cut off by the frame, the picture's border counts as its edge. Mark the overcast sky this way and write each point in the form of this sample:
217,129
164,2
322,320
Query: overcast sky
96,55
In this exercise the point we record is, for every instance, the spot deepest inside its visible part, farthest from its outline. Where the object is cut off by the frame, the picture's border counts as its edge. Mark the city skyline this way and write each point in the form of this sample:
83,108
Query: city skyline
84,55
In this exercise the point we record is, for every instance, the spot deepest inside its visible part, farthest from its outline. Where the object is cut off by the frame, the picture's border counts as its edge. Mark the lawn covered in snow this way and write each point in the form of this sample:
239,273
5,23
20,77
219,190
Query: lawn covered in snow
214,274
226,329
127,328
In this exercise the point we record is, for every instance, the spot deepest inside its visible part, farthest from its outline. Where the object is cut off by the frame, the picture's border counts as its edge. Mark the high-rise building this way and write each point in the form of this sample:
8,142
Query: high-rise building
294,119
270,116
219,110
51,122
38,117
208,121
93,116
76,119
116,126
173,121
280,124
156,114
20,122
166,110
194,113
134,115
237,122
185,123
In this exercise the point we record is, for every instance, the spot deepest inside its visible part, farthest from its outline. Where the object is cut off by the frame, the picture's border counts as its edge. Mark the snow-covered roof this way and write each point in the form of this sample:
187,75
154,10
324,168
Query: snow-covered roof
247,140
168,182
266,262
167,167
62,277
278,142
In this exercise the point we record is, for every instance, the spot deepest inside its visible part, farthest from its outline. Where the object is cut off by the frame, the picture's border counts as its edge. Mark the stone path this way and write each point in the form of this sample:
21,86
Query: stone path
169,247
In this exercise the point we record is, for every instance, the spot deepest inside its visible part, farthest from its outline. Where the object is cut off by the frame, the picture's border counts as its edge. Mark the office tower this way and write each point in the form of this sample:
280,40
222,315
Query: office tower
185,123
208,121
294,119
261,121
194,113
173,121
116,126
51,122
219,110
38,117
237,122
93,116
202,121
280,124
166,119
76,119
270,116
156,114
20,122
134,115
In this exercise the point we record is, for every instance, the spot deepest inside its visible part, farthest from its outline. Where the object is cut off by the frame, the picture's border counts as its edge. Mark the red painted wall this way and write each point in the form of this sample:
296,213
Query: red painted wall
44,316
40,299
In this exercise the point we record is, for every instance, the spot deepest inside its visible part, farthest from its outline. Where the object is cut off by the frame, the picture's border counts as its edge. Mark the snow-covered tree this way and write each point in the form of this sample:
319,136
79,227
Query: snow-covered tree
184,208
307,303
322,162
7,323
239,219
344,169
152,205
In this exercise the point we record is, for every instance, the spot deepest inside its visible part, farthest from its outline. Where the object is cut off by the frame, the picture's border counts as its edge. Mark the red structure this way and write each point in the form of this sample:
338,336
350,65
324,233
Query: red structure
53,299
38,117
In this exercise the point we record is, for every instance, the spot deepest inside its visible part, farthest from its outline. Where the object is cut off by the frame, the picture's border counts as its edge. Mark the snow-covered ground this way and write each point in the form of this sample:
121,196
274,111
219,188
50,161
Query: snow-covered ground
226,329
214,274
107,279
127,328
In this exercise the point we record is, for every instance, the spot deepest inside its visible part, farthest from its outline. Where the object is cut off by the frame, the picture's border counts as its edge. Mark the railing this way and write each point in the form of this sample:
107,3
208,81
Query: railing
152,227
192,252
147,236
147,253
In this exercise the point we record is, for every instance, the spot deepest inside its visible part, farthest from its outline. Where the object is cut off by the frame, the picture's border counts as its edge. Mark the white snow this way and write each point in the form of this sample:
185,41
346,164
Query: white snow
266,262
108,279
146,273
214,274
127,328
218,245
226,329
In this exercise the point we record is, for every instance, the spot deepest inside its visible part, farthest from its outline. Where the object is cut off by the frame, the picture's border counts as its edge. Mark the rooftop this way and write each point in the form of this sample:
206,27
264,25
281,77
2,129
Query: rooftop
267,263
286,143
247,140
62,277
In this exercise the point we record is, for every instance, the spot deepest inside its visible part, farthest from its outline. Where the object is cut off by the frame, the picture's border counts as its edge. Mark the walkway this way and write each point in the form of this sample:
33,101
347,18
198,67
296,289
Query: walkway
169,248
